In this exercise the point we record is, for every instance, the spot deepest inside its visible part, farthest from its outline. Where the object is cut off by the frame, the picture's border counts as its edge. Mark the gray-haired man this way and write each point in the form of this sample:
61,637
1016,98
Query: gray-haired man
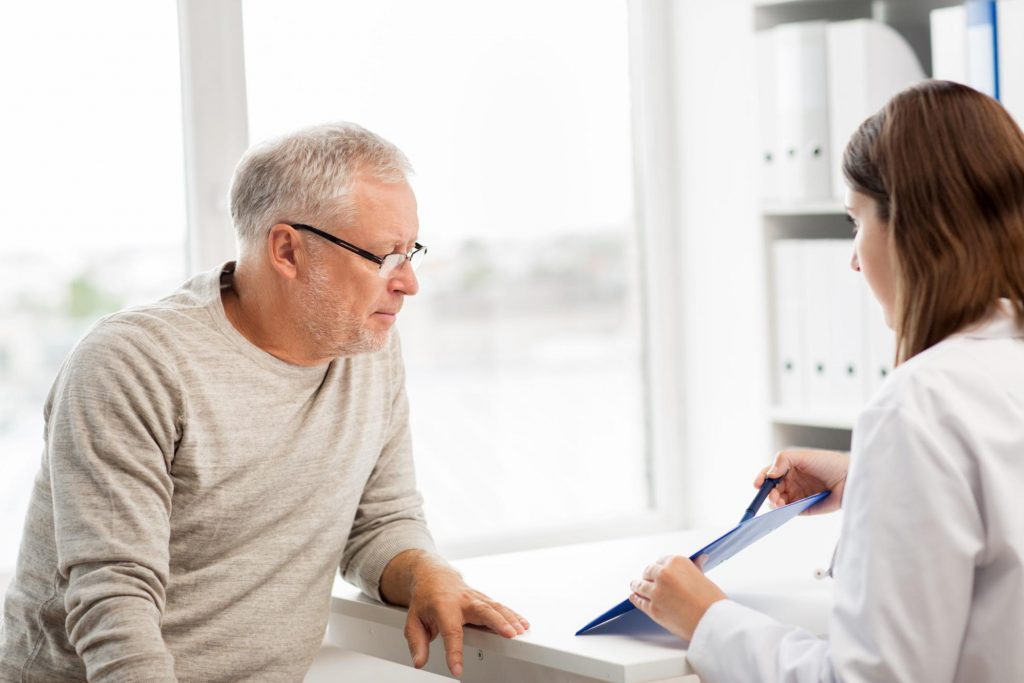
213,458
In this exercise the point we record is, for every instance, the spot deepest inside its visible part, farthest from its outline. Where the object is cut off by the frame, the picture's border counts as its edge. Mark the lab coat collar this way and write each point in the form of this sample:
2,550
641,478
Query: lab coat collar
1000,325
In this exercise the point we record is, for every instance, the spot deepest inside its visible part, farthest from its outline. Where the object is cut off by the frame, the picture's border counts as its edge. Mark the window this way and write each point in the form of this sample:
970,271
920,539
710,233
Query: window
94,199
524,348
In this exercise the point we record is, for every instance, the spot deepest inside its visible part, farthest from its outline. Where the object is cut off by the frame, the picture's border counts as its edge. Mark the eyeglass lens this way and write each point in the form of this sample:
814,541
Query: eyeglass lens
393,261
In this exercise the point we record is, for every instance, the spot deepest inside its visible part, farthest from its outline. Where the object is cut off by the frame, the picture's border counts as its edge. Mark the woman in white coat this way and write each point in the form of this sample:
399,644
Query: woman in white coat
929,573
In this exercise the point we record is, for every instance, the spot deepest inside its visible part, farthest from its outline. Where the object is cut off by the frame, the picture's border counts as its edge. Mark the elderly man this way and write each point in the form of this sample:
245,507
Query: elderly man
212,458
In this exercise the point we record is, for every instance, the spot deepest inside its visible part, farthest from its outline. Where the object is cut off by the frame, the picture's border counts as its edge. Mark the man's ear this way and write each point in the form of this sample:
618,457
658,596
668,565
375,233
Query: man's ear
284,247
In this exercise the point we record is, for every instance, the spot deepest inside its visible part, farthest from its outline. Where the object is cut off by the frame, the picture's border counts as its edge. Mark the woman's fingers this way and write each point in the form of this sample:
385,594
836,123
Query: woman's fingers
759,479
780,466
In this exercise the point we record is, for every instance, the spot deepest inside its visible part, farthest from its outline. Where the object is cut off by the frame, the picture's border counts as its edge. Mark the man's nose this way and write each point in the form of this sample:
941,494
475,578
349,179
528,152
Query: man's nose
854,263
403,280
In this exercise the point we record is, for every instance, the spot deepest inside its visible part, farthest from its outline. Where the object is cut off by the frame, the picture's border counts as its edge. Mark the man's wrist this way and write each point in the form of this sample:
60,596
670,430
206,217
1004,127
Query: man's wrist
407,570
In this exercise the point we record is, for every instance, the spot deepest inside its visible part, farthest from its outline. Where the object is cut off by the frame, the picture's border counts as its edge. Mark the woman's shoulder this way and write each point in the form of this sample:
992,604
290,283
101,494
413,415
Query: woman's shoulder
981,366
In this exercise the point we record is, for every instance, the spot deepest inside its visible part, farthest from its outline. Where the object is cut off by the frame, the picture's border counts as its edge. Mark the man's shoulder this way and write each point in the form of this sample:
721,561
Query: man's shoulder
119,356
195,299
156,331
120,349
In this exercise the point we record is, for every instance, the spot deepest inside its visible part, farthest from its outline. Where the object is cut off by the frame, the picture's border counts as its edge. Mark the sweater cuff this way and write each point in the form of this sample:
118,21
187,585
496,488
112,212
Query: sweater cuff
385,548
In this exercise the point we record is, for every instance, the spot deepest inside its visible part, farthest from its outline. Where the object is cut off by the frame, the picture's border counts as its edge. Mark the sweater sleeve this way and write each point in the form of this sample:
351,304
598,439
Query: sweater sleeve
389,519
112,426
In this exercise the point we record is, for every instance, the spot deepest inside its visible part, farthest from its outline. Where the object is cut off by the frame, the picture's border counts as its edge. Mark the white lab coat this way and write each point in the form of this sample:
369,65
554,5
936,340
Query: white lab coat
929,575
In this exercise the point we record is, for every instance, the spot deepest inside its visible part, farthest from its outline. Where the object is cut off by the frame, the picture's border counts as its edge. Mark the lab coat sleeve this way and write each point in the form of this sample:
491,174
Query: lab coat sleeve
904,573
737,643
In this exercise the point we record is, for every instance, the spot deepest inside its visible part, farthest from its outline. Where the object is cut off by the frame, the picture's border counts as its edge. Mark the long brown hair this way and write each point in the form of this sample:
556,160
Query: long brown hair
945,165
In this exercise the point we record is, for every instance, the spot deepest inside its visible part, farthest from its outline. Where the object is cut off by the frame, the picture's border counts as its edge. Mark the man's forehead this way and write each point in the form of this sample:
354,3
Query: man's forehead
374,191
385,213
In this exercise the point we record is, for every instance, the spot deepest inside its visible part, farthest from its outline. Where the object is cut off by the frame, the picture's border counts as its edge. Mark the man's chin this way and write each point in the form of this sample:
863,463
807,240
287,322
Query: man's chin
366,342
379,340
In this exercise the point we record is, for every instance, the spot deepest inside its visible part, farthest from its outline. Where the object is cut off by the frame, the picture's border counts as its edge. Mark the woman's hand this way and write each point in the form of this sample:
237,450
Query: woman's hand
675,593
804,472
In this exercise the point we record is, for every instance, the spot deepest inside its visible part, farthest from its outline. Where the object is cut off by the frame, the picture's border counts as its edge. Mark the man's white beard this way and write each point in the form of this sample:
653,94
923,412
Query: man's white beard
334,331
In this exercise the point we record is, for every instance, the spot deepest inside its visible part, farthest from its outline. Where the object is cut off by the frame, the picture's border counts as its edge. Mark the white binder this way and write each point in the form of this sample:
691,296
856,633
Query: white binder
769,151
949,43
787,304
801,111
816,324
847,354
1010,25
868,63
880,342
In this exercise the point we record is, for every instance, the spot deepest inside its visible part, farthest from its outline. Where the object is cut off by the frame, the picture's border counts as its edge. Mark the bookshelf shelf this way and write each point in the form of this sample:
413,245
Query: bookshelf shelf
802,418
832,208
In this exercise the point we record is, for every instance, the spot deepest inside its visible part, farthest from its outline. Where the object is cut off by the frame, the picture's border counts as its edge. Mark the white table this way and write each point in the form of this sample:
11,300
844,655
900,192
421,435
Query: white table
334,664
561,589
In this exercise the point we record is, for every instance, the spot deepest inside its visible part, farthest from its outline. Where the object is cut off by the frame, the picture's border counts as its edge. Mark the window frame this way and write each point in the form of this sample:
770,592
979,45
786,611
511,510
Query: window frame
215,123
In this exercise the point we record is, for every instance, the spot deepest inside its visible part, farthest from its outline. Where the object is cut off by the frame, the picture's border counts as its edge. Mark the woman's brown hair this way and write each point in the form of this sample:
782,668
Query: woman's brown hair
945,165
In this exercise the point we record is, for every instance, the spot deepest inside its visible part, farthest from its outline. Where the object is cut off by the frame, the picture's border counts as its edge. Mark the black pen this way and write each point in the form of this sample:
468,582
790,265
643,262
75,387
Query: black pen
759,499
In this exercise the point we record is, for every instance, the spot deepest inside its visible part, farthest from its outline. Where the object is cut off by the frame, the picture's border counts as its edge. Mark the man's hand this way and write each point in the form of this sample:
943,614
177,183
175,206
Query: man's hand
676,594
440,603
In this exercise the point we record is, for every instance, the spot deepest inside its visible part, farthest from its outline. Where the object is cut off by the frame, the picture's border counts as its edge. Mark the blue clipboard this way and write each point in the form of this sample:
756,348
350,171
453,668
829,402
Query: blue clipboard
725,546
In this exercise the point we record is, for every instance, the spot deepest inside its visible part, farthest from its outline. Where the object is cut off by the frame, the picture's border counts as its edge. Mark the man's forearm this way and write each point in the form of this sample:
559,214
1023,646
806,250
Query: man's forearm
113,622
399,576
118,640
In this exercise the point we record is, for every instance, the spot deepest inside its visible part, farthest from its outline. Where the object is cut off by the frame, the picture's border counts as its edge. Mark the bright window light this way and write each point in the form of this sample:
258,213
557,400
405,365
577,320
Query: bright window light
94,207
524,348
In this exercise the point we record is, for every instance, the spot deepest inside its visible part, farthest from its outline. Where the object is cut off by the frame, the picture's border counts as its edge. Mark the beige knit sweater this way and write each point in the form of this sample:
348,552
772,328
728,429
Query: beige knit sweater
196,497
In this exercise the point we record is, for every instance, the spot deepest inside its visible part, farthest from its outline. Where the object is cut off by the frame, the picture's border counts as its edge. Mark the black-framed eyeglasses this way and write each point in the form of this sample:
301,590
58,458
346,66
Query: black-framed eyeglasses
388,264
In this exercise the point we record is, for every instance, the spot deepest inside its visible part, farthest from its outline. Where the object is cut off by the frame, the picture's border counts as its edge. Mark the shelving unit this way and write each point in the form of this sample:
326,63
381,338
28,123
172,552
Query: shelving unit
824,427
796,427
772,209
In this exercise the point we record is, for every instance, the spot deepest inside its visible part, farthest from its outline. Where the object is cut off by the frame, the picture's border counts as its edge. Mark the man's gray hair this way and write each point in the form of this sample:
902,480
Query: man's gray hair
307,176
